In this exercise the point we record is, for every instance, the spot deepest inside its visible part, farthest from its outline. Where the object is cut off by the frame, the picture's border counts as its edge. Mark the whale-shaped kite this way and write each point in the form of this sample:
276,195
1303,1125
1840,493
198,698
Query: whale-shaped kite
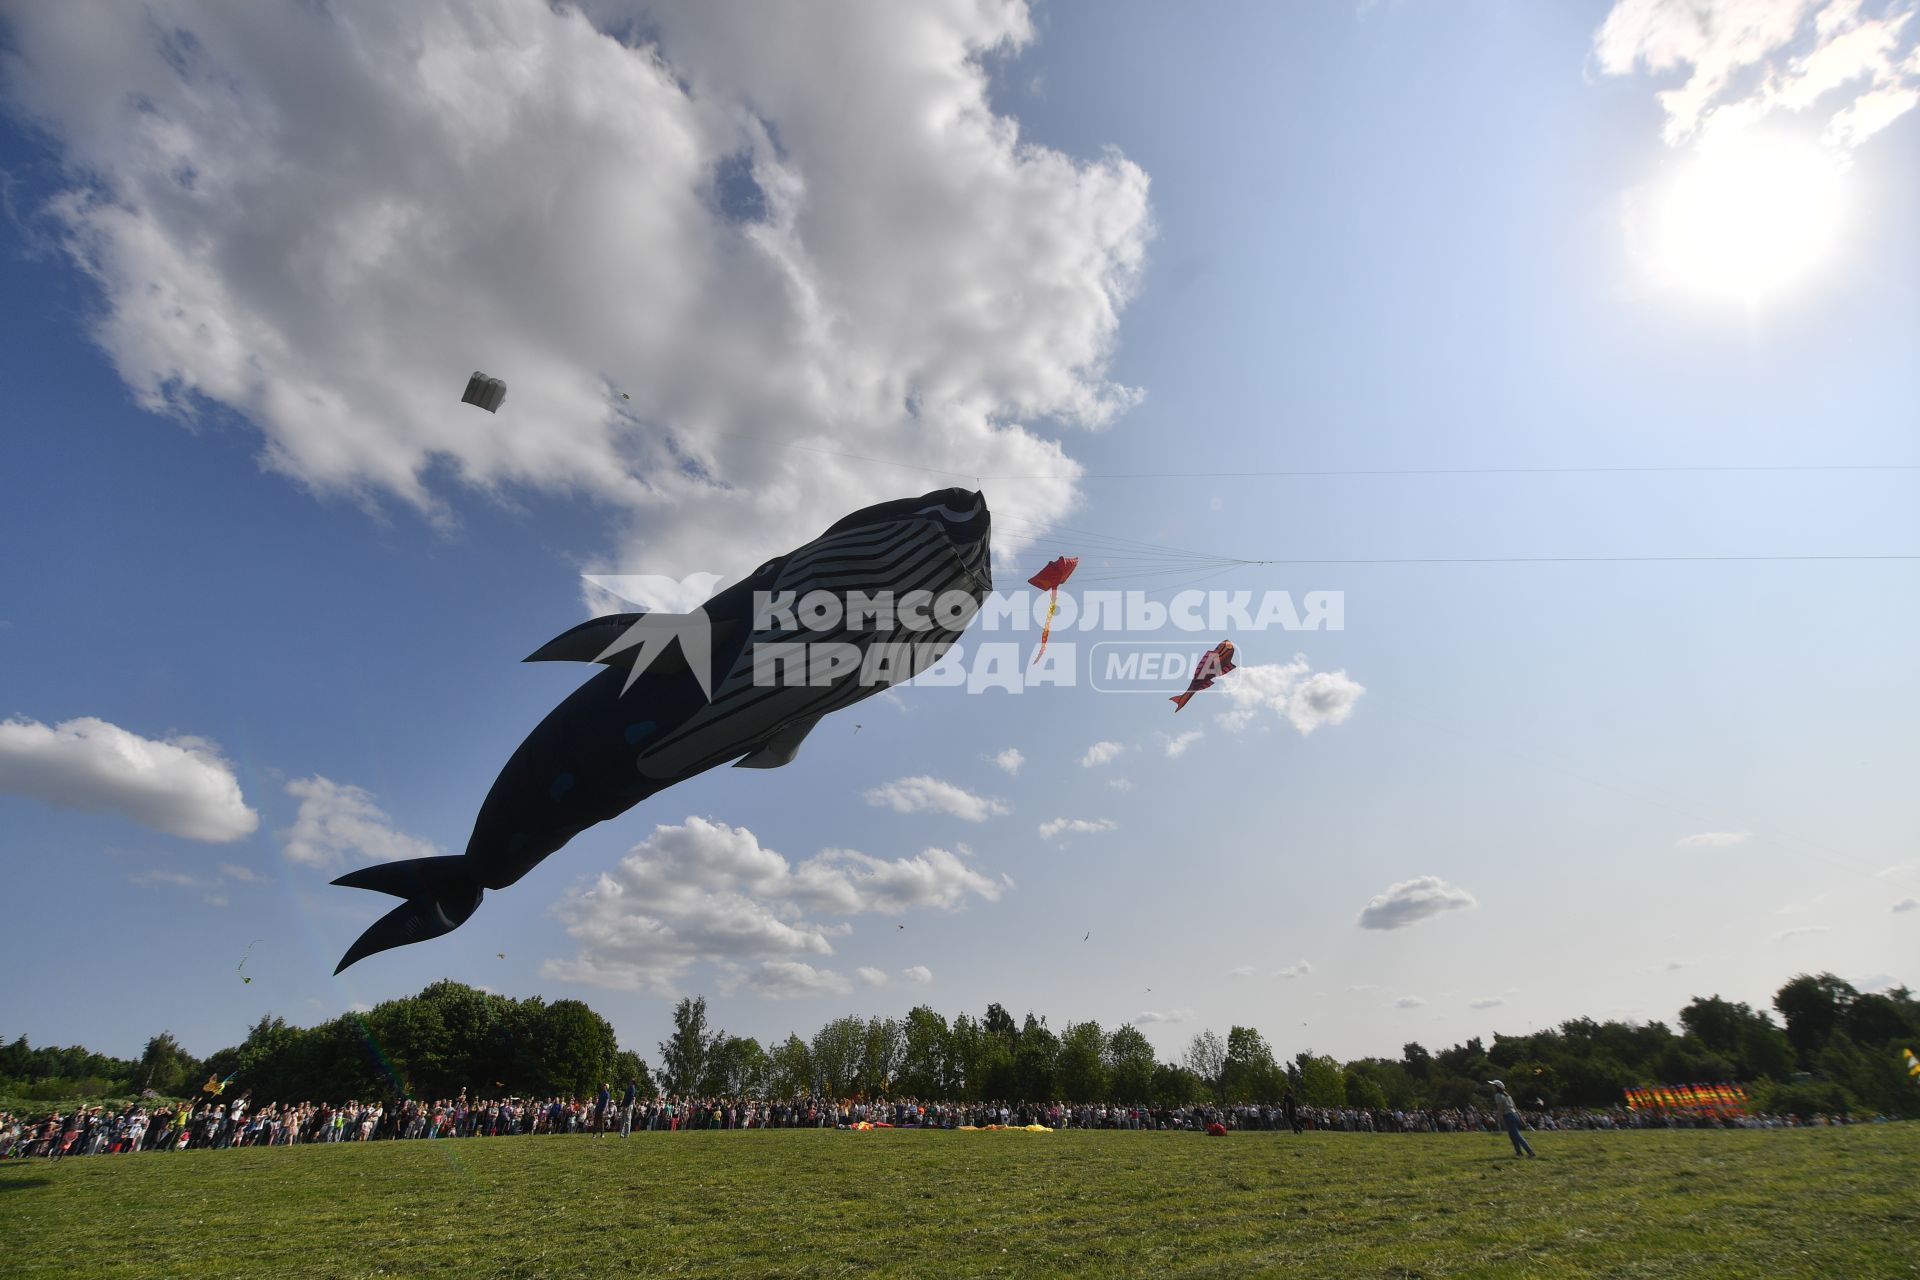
873,601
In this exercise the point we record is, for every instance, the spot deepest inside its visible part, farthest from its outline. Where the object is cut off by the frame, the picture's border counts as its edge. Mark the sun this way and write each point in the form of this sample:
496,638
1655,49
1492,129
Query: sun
1748,217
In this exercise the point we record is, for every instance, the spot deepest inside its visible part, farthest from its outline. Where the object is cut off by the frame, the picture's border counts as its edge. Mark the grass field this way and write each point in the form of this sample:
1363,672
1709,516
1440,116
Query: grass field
1825,1203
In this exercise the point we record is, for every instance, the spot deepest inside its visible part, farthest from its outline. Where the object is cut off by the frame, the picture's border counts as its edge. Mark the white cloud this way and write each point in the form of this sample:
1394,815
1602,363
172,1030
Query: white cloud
1486,1002
1408,1002
1305,698
1009,760
795,980
768,228
245,875
1170,1015
1244,971
871,976
922,794
1713,840
215,900
1411,901
1101,753
707,892
337,821
1075,826
918,974
1747,59
1176,744
1801,931
178,879
1906,904
1297,970
180,785
1119,784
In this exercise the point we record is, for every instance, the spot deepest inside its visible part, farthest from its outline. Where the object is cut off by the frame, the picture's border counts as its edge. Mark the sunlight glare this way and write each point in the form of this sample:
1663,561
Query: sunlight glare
1748,217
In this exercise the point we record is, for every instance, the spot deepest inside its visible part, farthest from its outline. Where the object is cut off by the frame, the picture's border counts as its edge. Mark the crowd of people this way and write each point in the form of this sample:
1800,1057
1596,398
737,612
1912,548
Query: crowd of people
214,1123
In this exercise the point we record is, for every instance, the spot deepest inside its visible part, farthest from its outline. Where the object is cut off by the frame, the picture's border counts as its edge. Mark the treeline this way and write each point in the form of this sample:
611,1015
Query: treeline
1833,1049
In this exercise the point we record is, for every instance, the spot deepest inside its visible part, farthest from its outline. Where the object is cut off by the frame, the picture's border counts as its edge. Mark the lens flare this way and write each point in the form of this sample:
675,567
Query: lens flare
1749,217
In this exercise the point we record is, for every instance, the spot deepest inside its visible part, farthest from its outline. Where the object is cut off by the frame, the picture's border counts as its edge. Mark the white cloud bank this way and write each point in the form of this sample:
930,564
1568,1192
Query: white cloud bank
1053,827
1856,68
1411,901
922,794
1009,761
1713,840
1303,697
337,822
1101,753
774,229
180,785
707,892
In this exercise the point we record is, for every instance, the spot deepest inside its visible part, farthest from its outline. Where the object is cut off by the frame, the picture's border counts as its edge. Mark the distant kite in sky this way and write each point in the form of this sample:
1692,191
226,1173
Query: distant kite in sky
484,392
244,956
683,693
1050,579
1213,664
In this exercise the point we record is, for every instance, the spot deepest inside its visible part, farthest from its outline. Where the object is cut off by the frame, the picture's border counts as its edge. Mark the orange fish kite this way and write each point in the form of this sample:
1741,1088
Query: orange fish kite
1213,664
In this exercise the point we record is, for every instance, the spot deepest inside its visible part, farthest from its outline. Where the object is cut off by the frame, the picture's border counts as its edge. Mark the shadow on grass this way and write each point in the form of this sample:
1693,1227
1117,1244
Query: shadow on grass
8,1183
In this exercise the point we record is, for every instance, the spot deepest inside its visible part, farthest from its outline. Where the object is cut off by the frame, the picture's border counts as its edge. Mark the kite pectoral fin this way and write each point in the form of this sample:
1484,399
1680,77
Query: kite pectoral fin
440,894
779,749
594,640
1179,700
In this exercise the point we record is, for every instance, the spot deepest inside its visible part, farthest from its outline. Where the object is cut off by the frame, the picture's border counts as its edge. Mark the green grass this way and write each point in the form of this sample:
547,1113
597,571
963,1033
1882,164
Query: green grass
1816,1203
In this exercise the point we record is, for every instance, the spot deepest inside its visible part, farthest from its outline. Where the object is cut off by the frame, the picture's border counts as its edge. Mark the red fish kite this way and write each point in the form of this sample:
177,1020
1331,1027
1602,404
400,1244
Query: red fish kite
1049,579
1213,664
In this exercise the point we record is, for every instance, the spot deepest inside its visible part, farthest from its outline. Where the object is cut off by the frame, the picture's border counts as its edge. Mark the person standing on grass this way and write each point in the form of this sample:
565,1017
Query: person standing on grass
626,1108
1511,1116
601,1106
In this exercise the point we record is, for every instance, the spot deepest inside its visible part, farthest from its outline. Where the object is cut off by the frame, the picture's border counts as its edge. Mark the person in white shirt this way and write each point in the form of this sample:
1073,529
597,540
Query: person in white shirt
1510,1115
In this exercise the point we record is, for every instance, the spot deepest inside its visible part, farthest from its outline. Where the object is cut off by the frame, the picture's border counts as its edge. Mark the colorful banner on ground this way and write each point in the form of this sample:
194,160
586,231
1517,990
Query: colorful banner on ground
1686,1097
1913,1064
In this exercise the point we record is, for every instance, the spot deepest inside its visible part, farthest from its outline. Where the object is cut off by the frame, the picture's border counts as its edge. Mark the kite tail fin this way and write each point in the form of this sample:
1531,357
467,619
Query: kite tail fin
1178,700
440,894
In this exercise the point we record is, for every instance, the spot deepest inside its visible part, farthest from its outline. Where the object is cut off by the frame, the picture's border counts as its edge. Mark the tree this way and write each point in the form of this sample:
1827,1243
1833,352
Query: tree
838,1050
965,1044
1175,1086
790,1068
1080,1070
1322,1082
1130,1064
882,1048
683,1056
1248,1072
162,1064
1748,1037
630,1067
1814,1009
1034,1058
578,1047
925,1071
999,1022
736,1067
1206,1058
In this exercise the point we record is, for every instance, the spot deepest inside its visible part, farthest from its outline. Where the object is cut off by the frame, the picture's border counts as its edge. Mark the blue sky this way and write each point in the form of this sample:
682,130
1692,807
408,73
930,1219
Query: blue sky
1397,236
